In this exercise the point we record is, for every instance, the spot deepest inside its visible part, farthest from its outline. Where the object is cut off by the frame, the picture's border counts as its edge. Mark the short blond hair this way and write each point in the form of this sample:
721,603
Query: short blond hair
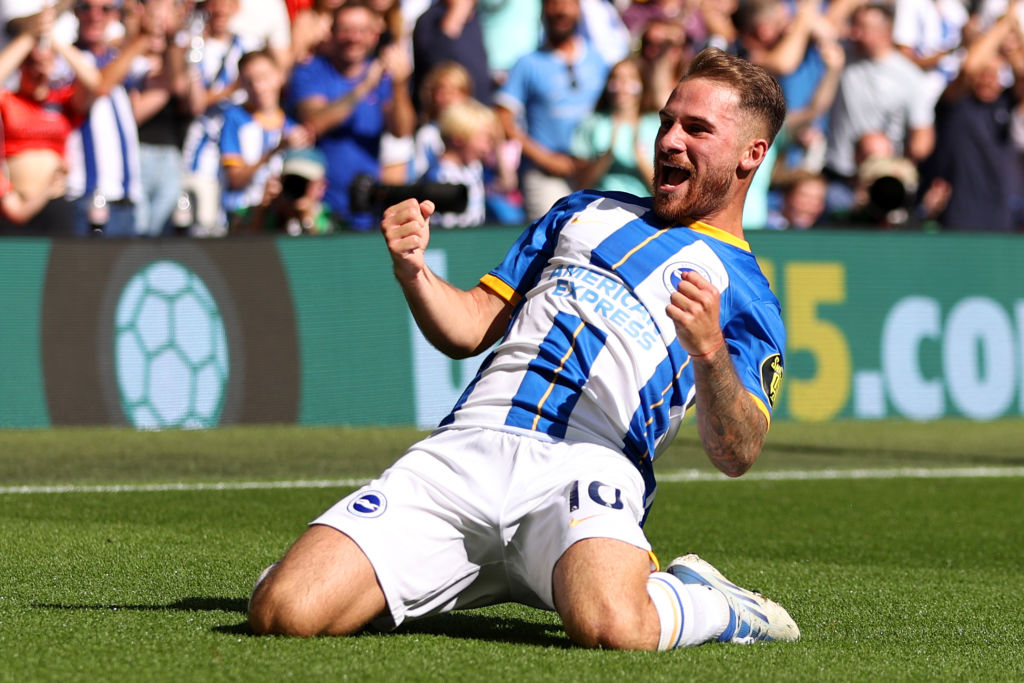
760,94
452,70
462,119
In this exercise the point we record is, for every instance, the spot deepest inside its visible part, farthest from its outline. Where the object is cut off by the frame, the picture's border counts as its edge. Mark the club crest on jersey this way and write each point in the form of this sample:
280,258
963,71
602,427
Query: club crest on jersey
673,273
370,504
771,377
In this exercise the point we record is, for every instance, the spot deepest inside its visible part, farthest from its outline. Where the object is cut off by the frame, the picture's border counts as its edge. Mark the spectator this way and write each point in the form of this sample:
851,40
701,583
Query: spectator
409,12
719,29
104,174
399,19
976,166
254,136
21,16
293,202
880,90
18,209
770,35
664,54
613,145
802,139
217,58
801,133
348,98
511,30
547,94
297,6
217,73
446,84
930,34
602,26
449,31
504,200
884,190
468,130
37,120
397,29
164,100
264,24
788,43
773,35
684,14
404,160
803,202
311,29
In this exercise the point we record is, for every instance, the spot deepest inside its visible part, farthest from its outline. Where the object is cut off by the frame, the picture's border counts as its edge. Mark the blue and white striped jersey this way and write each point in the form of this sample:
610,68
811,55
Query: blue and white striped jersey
244,139
103,153
590,353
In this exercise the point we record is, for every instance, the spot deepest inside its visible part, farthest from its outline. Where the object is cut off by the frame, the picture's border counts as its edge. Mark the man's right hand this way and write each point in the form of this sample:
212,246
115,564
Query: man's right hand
458,322
406,229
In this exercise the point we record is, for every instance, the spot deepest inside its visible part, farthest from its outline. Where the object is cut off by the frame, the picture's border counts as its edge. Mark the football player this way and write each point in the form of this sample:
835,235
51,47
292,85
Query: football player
614,314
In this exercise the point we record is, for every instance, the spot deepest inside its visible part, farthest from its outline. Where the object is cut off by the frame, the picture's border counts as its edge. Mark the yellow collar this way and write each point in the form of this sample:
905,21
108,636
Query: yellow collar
719,234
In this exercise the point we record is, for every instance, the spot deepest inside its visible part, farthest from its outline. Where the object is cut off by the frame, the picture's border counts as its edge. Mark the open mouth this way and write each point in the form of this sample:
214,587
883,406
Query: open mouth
672,176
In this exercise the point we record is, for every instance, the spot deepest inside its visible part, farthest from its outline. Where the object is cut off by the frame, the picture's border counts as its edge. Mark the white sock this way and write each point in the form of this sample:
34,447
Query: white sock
690,614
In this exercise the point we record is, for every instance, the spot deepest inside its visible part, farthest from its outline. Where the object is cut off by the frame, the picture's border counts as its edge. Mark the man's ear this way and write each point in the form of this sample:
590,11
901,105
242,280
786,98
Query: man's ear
754,154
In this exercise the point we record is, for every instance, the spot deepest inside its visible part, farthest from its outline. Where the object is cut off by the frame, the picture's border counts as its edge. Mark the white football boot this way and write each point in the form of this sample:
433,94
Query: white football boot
753,618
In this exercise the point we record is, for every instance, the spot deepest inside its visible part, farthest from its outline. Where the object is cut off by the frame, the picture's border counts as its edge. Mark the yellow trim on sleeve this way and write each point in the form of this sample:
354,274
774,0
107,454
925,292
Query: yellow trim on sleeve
719,234
500,288
231,160
762,407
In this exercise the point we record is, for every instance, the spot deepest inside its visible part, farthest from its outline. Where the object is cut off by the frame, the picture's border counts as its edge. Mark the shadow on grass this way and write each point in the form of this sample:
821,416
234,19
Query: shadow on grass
463,625
183,605
470,626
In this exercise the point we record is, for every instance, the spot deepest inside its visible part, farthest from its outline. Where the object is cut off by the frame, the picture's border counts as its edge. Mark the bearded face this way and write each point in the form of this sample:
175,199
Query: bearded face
701,162
684,193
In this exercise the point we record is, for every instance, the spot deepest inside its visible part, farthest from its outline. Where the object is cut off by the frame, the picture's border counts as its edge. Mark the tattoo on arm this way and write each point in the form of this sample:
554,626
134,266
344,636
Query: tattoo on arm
731,427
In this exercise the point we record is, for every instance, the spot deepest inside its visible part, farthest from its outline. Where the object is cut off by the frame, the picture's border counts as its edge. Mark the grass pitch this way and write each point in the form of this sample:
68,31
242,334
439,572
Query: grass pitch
889,578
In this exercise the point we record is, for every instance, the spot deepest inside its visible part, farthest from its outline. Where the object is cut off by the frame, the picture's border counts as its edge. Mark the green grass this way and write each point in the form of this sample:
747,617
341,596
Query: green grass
889,579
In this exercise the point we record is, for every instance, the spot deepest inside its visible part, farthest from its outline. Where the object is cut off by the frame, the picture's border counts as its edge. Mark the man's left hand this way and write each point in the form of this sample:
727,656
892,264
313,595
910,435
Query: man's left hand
694,309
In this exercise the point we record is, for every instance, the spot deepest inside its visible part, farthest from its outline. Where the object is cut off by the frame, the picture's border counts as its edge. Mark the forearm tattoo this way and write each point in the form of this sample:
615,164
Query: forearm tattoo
731,427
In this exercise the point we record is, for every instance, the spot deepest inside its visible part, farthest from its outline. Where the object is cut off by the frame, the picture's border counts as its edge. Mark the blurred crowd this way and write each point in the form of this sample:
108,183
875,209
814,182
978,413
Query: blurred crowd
214,117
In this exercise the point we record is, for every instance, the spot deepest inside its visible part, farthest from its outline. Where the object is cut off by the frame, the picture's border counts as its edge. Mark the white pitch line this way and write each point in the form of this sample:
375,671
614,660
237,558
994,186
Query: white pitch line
185,486
665,477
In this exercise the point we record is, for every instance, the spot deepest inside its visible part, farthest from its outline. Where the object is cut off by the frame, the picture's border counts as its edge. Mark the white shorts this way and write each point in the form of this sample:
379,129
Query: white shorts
474,517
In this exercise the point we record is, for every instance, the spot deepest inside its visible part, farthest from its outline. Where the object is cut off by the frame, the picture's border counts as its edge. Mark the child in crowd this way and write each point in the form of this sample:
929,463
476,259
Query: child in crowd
468,130
404,160
445,84
217,72
254,135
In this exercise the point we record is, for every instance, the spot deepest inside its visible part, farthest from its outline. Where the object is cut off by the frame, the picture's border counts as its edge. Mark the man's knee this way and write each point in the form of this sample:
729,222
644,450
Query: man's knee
608,626
271,612
278,607
325,585
600,591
